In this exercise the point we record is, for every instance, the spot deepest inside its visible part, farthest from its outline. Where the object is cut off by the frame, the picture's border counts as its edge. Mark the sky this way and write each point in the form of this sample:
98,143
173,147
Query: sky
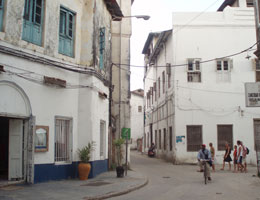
160,12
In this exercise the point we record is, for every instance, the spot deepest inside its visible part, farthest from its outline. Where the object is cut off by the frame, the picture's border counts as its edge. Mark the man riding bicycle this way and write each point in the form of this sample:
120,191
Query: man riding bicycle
204,154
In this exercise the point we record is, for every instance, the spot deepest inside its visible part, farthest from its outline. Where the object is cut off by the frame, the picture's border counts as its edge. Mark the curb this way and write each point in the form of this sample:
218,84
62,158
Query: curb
115,194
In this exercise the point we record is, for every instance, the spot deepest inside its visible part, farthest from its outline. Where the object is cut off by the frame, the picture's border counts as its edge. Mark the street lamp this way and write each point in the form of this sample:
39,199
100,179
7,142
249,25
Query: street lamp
144,17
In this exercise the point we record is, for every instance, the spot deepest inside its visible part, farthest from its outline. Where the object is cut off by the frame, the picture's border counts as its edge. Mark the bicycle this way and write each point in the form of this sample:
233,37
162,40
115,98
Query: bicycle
205,169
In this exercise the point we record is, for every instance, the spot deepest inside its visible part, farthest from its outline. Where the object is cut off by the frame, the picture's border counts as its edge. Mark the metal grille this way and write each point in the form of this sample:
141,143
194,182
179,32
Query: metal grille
164,138
62,140
257,143
194,77
160,139
225,134
194,138
170,137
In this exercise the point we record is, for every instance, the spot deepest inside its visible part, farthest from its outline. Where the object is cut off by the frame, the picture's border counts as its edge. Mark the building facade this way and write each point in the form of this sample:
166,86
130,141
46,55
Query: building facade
137,118
195,79
55,59
120,92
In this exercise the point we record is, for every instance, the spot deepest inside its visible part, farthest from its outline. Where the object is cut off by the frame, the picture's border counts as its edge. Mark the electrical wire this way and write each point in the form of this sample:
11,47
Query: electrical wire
203,61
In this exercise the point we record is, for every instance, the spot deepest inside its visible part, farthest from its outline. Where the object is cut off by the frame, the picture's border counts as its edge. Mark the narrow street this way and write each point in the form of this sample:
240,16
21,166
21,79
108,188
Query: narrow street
182,182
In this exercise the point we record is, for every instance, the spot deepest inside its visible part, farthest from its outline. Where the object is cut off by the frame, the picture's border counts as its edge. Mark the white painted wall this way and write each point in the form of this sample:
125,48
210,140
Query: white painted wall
211,102
137,119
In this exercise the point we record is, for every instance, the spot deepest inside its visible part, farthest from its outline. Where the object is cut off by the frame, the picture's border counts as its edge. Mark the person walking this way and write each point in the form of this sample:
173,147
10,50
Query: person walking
213,159
227,157
240,166
235,158
204,154
244,154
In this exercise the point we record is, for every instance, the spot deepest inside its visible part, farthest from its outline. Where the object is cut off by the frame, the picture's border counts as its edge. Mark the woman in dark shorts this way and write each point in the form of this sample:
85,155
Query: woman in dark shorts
227,157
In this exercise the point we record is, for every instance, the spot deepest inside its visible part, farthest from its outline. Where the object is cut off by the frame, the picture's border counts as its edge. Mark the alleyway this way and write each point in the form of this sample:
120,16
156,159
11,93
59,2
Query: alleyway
167,181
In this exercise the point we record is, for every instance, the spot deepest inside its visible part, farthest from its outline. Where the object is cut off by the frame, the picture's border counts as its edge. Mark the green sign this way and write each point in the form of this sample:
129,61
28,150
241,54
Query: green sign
126,132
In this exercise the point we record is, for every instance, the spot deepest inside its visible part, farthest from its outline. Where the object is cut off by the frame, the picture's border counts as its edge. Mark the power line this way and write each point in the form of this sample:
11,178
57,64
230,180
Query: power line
204,61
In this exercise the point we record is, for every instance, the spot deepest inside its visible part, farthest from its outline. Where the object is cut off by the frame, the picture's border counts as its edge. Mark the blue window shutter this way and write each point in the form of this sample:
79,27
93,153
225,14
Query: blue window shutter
66,32
33,20
1,14
102,34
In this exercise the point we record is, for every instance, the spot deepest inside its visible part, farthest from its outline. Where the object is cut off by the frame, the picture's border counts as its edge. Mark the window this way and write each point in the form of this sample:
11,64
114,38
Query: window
249,3
257,134
164,138
225,134
144,140
156,139
63,139
163,79
1,14
102,139
160,139
194,138
33,21
159,87
66,32
102,35
139,108
223,70
151,88
148,140
154,89
168,71
257,70
194,71
170,137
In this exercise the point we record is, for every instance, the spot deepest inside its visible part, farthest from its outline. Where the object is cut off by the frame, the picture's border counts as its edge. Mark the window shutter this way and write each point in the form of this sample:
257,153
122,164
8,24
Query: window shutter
1,14
70,21
27,6
190,65
37,11
62,22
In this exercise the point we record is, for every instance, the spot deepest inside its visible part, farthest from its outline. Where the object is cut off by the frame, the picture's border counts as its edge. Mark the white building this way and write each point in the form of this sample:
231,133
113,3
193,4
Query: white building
54,85
195,91
137,118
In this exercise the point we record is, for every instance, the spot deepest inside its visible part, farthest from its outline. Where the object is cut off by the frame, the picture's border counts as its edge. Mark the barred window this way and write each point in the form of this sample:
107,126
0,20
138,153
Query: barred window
194,138
170,137
160,139
164,139
63,137
225,134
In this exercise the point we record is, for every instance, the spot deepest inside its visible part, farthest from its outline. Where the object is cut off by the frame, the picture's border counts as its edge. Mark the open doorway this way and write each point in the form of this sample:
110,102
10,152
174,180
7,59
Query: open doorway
4,146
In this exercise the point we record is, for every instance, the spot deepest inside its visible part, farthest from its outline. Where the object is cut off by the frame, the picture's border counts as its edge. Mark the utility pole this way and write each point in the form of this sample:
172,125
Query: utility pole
257,53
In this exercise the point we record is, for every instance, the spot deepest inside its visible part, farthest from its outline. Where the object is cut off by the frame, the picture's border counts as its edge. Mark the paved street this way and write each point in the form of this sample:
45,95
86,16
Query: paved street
182,182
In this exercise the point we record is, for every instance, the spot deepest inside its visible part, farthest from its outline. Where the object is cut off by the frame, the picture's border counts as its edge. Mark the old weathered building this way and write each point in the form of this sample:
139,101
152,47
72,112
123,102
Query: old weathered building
55,61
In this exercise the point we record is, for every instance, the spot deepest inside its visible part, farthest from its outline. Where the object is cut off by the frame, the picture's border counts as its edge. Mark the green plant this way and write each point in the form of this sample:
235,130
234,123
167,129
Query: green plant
84,153
118,145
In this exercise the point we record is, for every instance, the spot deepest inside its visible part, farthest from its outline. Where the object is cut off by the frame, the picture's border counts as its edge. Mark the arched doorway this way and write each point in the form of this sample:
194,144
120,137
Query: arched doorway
16,136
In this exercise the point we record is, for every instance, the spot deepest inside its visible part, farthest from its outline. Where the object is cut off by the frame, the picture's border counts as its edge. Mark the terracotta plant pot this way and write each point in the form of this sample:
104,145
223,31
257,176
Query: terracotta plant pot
84,169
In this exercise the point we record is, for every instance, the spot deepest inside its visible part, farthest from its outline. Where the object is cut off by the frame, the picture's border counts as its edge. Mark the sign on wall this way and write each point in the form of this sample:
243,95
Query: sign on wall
126,132
252,91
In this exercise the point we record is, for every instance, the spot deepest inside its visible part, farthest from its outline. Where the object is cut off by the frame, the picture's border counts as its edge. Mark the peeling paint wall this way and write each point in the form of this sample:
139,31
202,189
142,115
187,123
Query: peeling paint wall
90,16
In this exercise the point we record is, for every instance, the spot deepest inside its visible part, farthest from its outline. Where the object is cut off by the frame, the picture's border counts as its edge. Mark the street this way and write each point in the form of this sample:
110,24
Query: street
168,181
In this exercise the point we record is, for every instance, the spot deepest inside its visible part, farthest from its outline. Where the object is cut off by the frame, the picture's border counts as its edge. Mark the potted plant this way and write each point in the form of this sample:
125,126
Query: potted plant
118,145
84,166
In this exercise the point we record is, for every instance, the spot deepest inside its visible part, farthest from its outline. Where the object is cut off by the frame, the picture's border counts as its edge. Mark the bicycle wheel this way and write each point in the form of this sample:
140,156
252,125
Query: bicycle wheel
205,173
